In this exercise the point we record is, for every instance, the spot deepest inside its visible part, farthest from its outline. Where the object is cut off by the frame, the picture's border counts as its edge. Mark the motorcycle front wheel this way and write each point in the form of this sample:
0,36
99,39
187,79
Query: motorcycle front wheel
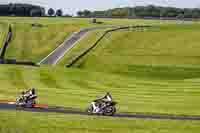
90,110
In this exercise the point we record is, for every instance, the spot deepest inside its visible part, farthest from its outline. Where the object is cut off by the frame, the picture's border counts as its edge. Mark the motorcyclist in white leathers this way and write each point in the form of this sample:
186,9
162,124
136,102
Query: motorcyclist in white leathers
106,98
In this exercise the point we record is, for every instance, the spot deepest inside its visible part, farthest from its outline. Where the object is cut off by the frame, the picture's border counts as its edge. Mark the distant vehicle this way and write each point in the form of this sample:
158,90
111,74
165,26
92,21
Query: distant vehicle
103,106
27,99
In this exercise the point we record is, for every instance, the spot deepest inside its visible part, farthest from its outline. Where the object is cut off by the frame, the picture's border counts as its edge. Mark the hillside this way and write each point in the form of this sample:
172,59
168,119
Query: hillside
156,64
34,38
158,49
34,43
151,71
3,31
174,93
58,123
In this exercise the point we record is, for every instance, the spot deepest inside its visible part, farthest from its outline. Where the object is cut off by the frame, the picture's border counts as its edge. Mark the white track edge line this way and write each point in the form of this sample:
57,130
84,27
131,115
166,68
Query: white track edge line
68,38
70,47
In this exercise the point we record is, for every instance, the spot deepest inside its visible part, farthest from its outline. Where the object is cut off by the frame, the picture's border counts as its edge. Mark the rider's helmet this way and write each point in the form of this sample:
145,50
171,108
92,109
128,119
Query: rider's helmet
108,94
22,93
33,91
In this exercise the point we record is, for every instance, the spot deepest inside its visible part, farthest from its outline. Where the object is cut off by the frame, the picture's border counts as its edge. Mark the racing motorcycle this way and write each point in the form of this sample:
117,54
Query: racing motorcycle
104,108
26,102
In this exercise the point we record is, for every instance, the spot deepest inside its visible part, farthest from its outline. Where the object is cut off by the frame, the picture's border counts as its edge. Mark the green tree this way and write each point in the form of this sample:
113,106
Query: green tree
80,13
51,12
86,13
59,13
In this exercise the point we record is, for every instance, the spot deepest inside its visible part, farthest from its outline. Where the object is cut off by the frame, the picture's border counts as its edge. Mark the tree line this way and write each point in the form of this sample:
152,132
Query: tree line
14,9
149,11
52,12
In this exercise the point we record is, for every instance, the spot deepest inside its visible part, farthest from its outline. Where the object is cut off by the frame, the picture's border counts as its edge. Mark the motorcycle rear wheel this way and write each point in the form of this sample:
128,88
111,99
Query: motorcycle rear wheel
109,111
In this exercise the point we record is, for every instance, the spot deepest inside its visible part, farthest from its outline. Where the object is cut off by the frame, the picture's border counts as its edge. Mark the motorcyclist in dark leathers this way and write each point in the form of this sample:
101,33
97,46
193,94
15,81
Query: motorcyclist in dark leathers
29,95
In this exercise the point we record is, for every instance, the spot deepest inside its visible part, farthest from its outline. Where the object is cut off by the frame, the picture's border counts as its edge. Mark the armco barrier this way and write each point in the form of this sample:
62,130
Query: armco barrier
6,43
15,62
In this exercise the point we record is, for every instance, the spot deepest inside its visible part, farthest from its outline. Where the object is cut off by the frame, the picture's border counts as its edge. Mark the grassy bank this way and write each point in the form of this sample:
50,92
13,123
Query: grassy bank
3,32
149,91
150,71
12,122
33,43
172,45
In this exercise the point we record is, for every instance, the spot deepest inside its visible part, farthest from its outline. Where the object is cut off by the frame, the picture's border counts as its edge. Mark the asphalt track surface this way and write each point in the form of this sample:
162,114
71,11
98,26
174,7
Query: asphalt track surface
59,52
74,111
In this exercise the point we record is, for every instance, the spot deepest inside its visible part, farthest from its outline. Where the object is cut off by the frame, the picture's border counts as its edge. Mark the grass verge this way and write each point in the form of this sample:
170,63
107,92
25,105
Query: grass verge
146,92
24,122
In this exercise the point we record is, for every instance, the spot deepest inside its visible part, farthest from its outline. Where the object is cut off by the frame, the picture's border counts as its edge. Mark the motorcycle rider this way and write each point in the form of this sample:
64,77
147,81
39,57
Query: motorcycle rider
30,94
22,96
97,103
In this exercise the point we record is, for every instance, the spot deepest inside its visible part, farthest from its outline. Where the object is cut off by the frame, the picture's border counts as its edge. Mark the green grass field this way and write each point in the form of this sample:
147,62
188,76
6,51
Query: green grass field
3,31
161,60
31,43
151,71
34,43
14,122
177,92
173,45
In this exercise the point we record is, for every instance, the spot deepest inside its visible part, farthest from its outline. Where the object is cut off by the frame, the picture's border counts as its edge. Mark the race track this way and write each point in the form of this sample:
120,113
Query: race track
60,51
51,109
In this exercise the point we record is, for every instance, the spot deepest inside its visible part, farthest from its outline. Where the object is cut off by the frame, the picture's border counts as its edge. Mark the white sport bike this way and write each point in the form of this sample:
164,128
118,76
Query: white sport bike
102,107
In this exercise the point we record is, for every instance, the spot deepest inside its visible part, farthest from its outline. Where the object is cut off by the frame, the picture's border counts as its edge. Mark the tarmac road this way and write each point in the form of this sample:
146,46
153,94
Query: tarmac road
6,106
59,52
